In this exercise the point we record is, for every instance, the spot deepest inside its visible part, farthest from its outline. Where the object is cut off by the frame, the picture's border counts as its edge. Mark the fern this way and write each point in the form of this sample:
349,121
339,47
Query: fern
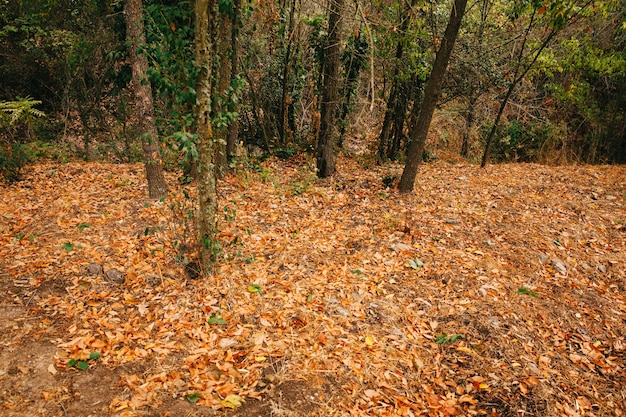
23,109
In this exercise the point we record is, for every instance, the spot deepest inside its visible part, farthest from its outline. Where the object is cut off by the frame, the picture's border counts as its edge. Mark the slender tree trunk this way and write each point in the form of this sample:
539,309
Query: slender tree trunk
469,123
224,63
326,142
517,77
283,110
143,100
419,131
207,183
233,128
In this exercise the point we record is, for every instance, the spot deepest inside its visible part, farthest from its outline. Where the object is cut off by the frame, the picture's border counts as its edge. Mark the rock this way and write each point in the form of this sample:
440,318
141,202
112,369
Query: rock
153,280
94,269
114,276
559,266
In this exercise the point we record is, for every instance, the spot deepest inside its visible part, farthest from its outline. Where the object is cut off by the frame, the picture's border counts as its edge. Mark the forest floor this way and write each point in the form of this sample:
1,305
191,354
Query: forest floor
487,292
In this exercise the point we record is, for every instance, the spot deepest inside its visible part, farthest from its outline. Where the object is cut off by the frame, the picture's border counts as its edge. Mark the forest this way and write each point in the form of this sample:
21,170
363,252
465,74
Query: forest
298,208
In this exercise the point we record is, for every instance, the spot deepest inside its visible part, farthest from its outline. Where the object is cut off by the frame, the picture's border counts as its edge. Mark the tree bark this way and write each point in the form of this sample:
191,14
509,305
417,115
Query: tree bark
390,129
207,182
284,132
326,142
233,128
469,123
143,100
224,60
419,132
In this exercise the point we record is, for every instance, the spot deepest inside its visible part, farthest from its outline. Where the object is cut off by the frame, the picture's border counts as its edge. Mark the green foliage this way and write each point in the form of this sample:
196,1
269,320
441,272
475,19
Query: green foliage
14,154
193,397
216,319
448,339
526,291
83,364
22,110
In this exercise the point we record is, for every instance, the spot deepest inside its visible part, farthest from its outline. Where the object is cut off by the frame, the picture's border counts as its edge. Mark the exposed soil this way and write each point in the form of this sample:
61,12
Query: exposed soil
498,292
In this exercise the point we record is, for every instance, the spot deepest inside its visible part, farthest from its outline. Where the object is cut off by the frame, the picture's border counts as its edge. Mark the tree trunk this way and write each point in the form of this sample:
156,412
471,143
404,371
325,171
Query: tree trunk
224,60
283,109
389,129
517,77
143,100
207,183
419,131
469,123
326,142
233,128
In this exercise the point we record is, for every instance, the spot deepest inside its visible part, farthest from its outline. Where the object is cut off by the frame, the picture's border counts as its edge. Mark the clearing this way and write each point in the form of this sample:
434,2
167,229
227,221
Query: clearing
497,292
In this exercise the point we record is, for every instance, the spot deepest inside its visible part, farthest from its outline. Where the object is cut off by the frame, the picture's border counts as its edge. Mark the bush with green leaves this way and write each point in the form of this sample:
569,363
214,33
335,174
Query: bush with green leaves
16,120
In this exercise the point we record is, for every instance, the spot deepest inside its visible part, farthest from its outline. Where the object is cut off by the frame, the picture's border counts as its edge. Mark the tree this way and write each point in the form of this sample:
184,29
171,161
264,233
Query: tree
560,15
419,131
392,130
143,96
205,11
330,94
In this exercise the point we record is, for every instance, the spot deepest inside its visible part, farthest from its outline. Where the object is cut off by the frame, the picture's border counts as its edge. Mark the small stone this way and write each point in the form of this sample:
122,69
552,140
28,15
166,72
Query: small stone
153,280
114,276
559,266
602,268
94,269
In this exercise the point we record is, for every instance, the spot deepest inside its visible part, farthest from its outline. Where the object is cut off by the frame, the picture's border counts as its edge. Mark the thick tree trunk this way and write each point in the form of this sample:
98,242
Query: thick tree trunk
143,100
419,131
326,142
207,183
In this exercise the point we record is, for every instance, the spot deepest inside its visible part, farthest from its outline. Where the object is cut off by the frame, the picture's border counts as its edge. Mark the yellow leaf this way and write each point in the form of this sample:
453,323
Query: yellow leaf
465,349
260,358
369,340
483,385
232,401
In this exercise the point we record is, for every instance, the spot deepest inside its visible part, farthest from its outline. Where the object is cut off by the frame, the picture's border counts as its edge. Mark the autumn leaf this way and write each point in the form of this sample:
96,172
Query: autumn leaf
232,401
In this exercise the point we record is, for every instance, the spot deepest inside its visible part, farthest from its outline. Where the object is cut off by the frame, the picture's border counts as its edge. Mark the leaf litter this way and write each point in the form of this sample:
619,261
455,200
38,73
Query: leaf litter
495,292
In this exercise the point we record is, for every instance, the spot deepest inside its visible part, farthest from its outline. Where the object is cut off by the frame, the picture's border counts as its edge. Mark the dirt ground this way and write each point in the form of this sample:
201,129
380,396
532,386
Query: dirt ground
498,292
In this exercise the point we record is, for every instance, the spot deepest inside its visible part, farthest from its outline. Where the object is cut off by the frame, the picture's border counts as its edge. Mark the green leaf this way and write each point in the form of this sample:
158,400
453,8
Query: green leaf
94,355
83,226
217,319
193,398
526,291
72,363
445,339
254,288
83,365
357,271
455,337
68,246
